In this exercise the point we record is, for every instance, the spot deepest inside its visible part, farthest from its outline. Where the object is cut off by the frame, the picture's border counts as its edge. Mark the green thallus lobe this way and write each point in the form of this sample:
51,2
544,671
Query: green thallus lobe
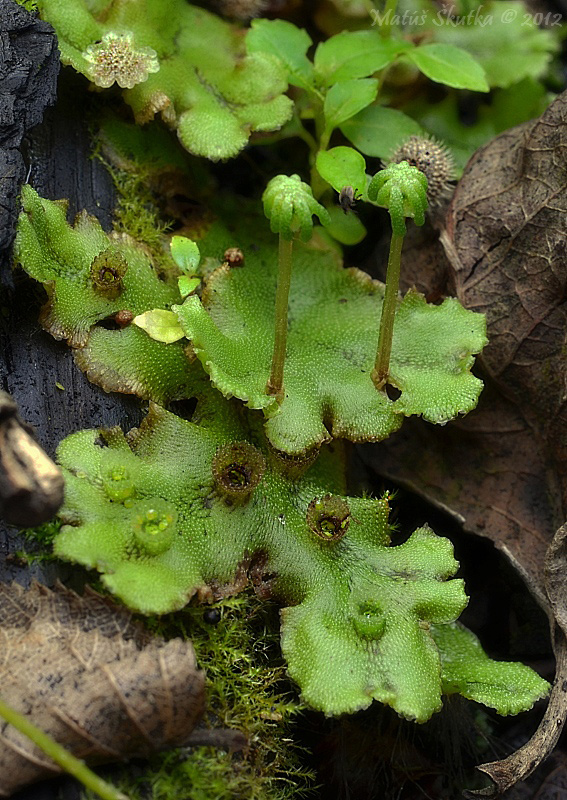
363,619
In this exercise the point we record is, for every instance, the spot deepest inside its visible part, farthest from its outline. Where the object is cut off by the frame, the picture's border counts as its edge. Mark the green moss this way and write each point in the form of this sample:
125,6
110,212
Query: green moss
137,212
29,5
246,690
38,543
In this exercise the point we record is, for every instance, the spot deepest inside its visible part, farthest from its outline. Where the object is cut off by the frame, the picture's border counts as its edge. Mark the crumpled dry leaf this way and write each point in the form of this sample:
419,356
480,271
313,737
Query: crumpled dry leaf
93,679
524,761
505,240
502,470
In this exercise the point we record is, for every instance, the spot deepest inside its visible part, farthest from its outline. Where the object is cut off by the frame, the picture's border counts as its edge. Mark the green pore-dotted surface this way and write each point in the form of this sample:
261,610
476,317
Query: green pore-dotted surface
334,316
333,323
466,669
149,513
178,60
73,263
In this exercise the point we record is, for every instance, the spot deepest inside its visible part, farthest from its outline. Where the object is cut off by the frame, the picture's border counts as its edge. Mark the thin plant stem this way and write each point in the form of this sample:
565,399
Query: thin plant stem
325,139
382,364
78,769
275,383
389,11
304,134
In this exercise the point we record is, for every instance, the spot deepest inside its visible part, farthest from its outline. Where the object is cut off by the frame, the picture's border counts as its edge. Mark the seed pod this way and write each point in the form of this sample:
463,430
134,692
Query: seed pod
123,318
154,521
234,257
237,470
107,272
433,159
328,517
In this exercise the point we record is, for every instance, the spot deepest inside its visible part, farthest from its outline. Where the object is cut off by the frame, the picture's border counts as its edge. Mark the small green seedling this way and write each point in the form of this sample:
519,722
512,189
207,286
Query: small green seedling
402,189
161,324
290,206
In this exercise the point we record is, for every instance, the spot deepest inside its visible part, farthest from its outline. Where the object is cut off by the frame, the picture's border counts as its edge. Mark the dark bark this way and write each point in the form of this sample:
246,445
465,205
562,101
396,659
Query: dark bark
55,157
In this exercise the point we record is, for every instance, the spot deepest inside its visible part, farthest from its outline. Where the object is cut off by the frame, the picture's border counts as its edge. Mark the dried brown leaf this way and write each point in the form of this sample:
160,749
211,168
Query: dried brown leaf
523,762
505,239
549,782
92,678
503,469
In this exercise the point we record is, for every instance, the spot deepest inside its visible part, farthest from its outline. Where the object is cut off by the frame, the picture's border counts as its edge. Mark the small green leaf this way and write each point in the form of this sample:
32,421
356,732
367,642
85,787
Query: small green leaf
365,620
345,228
512,47
432,357
358,628
288,43
62,258
211,131
347,98
355,55
185,253
342,166
160,325
377,131
453,66
130,361
187,285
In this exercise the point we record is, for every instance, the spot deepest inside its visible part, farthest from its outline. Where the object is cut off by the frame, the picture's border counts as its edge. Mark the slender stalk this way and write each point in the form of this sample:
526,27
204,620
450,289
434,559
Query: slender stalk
304,134
275,383
389,11
325,138
382,364
58,754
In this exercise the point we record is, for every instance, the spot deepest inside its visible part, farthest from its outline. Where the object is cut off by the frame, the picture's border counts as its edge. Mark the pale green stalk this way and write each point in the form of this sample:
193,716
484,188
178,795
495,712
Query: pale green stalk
382,364
389,11
275,383
78,769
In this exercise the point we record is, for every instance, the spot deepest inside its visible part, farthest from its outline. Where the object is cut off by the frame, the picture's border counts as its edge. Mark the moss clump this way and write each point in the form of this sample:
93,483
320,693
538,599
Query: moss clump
38,544
246,690
137,213
29,5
